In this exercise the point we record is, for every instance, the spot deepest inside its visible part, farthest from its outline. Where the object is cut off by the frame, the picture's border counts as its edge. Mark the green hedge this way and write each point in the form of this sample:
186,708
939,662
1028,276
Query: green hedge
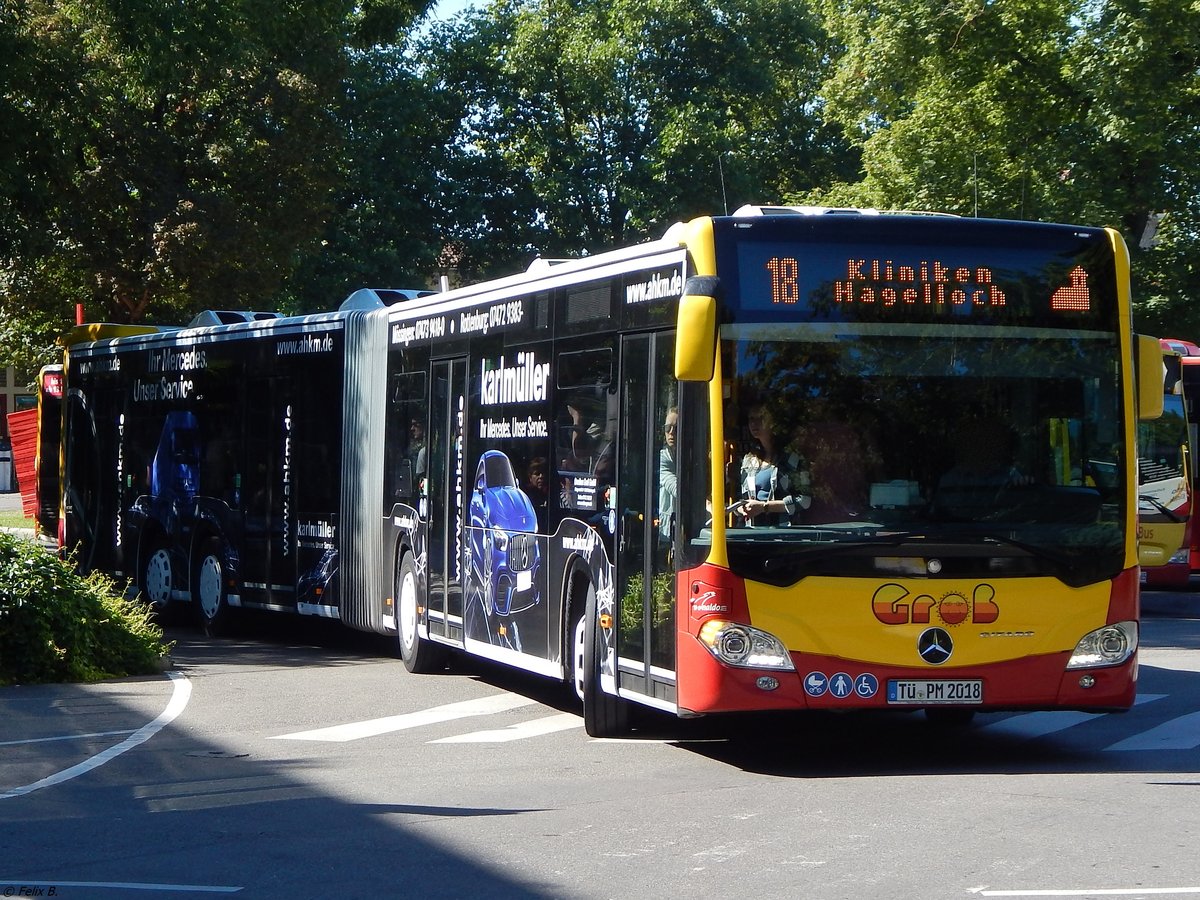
58,626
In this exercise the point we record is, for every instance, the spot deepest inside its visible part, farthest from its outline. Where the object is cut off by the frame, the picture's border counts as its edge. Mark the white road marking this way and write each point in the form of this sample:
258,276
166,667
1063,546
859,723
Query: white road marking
68,737
352,731
1032,725
1182,733
520,731
19,883
179,700
1101,892
1038,724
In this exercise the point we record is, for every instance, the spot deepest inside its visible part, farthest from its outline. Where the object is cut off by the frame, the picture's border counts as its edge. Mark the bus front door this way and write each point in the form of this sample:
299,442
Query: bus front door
645,491
447,486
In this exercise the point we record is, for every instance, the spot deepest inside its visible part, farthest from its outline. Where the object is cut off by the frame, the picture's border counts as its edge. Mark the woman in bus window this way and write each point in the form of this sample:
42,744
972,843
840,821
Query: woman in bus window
774,482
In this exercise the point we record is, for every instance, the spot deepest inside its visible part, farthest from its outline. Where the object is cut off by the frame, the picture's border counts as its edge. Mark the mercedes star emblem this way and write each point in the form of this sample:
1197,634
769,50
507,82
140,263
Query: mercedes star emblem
935,646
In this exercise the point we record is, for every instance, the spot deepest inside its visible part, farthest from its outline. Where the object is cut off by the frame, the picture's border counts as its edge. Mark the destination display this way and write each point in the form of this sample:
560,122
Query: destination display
1067,286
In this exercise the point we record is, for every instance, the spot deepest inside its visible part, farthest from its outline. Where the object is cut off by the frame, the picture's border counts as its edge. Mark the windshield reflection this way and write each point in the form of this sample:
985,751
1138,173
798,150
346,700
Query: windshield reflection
985,448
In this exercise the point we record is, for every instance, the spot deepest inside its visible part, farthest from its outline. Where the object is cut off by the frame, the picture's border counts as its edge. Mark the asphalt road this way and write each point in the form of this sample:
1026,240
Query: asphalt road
308,763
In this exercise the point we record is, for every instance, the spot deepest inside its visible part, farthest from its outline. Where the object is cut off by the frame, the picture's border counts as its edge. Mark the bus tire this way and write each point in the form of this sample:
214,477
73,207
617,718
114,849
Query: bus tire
420,656
603,714
209,590
157,577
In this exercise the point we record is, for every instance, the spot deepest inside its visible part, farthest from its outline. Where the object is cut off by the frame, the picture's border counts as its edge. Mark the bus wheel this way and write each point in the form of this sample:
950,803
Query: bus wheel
209,591
420,656
156,578
603,714
579,636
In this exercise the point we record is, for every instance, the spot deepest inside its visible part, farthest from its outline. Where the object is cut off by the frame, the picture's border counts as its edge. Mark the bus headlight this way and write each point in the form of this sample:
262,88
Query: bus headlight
1107,646
741,645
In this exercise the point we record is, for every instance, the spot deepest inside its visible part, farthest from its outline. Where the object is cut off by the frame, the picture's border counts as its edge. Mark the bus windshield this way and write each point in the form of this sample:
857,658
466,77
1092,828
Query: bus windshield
916,449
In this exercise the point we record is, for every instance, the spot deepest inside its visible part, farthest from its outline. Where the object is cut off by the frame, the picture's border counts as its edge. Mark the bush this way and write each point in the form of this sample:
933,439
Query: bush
56,625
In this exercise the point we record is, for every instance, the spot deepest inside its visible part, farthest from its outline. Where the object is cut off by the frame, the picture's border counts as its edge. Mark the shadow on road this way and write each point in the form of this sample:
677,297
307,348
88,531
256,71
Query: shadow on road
803,744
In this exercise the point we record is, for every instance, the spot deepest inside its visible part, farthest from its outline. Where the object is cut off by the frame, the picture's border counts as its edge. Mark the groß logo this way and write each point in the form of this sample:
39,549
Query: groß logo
935,646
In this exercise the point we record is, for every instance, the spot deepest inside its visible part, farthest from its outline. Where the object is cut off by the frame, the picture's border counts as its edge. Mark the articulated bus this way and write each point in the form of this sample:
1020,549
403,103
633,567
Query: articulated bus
785,459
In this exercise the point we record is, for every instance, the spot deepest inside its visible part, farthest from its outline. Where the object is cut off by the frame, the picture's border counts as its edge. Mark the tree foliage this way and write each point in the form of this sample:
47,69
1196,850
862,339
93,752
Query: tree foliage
386,220
1061,110
590,124
158,159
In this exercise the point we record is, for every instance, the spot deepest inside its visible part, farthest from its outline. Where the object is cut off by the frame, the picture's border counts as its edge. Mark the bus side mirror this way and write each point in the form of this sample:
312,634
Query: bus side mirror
1150,373
696,332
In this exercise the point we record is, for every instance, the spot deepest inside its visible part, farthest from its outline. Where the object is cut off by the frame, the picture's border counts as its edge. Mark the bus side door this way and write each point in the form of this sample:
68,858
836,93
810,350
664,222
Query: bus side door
448,490
645,568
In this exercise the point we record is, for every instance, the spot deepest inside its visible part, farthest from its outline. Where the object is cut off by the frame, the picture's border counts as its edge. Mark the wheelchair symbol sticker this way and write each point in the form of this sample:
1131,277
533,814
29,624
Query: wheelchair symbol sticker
866,685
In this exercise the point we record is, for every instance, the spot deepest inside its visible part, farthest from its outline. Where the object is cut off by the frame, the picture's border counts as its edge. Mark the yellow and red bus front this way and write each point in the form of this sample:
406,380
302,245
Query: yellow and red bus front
921,431
1000,644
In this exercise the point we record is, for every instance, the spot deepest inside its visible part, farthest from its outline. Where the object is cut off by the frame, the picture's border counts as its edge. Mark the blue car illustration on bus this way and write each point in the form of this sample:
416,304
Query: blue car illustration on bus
504,548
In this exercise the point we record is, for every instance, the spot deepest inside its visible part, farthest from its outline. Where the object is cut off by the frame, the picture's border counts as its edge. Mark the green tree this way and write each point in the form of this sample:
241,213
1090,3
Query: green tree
386,213
591,124
1068,110
1139,156
158,159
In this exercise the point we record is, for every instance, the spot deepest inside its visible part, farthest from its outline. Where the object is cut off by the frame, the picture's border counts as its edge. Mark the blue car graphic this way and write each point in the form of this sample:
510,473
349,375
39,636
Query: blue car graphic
504,548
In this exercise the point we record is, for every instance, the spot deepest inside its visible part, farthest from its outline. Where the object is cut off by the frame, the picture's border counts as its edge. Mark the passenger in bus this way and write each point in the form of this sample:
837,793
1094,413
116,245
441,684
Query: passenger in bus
604,463
537,488
667,483
581,444
775,481
416,448
592,440
580,435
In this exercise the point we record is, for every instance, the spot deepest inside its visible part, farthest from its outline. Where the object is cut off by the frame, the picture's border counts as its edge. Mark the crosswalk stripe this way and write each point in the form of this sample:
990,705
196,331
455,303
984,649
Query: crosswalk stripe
1182,733
520,731
1032,725
1038,724
352,731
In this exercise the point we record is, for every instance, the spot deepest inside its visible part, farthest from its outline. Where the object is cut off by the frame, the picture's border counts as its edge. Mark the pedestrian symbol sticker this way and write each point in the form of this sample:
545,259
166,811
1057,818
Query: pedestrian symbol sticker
840,685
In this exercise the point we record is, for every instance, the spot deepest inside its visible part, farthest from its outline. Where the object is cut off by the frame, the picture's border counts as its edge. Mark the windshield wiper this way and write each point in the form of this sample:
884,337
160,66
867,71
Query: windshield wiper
1173,516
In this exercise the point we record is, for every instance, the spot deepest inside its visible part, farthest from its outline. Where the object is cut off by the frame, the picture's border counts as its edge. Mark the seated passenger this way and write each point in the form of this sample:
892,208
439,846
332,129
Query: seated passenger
775,484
